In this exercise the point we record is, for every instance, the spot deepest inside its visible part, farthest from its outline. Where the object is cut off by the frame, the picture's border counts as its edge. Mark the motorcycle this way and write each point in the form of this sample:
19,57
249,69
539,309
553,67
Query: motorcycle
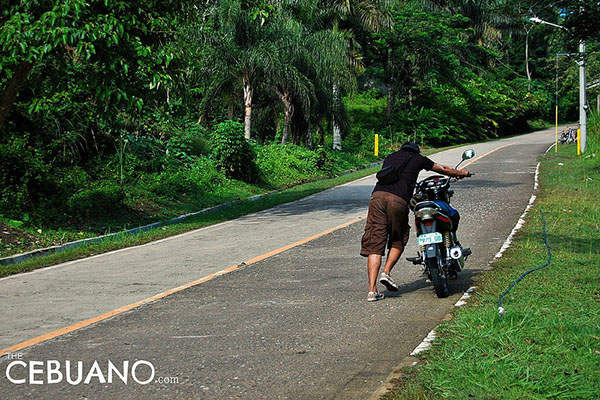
439,252
564,137
572,136
568,136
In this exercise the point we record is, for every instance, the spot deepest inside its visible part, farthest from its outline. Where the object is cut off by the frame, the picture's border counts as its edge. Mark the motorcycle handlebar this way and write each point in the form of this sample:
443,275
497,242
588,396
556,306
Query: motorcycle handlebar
456,179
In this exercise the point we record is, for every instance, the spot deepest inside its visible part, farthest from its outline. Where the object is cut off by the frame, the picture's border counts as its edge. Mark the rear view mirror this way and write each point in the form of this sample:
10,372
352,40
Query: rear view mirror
468,154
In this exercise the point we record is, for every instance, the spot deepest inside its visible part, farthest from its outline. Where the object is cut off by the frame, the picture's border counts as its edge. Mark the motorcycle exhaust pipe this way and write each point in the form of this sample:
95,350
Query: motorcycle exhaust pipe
455,253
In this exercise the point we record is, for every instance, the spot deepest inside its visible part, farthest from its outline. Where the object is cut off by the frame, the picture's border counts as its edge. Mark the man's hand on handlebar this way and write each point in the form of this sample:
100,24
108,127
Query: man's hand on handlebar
464,174
449,171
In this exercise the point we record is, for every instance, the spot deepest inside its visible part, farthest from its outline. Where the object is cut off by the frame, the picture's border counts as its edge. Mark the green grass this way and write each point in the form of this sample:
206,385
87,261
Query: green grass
236,210
99,205
242,207
548,344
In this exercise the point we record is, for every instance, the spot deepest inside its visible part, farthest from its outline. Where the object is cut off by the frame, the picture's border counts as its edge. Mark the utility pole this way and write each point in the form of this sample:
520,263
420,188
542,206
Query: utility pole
582,97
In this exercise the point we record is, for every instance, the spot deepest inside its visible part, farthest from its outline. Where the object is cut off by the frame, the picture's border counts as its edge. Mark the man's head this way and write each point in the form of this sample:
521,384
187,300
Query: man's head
411,146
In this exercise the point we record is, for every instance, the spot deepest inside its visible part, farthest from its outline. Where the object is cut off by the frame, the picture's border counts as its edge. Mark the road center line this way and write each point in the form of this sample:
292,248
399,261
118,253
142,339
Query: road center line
110,314
486,154
91,321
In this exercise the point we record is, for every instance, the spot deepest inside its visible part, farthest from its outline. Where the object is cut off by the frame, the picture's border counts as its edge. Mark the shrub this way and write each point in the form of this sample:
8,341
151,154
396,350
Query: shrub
97,202
22,172
593,133
233,153
323,160
199,180
205,174
285,164
188,143
173,184
145,153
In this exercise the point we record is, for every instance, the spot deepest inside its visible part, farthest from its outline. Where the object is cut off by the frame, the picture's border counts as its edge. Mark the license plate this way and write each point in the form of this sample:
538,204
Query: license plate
429,238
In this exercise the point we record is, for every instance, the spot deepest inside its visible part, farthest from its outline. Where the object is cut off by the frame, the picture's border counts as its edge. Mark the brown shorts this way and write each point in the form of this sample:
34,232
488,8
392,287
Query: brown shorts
387,224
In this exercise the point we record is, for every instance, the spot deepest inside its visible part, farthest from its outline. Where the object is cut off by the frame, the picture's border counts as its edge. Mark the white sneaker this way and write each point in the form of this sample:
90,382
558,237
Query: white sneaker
387,281
374,296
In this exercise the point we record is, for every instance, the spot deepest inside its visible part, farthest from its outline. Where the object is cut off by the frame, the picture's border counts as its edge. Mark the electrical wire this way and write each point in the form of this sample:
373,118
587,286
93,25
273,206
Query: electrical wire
501,310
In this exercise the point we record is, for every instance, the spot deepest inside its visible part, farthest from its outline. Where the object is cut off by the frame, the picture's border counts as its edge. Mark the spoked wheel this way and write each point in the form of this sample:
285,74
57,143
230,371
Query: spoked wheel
440,281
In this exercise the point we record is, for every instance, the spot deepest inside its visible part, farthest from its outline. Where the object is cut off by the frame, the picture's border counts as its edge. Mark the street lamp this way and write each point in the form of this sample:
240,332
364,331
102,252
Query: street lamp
582,96
537,20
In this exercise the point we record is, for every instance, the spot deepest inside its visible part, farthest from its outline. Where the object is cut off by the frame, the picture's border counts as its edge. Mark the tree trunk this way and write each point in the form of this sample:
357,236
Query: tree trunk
247,107
337,136
390,105
309,137
390,92
288,113
12,90
321,133
337,131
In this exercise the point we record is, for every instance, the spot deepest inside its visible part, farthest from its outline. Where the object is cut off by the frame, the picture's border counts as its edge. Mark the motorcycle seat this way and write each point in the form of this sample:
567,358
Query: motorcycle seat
441,206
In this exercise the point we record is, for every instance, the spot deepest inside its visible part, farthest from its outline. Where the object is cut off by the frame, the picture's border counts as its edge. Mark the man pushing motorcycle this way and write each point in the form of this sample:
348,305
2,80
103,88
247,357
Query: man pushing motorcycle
387,218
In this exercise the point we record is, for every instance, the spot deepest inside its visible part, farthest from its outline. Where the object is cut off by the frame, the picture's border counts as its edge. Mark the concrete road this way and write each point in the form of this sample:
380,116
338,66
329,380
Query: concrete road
294,325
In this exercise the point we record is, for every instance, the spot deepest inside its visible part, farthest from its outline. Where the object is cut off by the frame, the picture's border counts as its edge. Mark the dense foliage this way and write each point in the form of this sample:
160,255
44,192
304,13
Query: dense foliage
113,110
233,153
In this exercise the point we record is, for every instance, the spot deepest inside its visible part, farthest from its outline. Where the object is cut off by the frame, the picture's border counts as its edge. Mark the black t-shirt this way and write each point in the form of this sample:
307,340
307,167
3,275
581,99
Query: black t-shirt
405,185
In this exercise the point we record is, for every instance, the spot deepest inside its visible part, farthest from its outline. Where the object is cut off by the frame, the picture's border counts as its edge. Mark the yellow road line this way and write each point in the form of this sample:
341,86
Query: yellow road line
486,154
91,321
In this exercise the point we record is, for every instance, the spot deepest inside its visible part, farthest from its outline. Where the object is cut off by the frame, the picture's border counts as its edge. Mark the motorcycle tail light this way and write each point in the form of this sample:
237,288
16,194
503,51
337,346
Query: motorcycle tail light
442,218
427,223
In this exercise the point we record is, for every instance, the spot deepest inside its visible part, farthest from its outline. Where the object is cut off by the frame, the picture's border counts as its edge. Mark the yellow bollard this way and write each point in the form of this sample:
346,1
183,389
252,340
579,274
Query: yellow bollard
376,145
578,142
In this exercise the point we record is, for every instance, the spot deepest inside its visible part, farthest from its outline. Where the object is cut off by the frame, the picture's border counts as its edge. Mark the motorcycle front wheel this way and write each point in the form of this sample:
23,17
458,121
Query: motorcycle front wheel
439,280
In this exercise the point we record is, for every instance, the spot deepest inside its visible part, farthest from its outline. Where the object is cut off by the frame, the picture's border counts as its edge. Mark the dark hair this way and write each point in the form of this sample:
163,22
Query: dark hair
411,146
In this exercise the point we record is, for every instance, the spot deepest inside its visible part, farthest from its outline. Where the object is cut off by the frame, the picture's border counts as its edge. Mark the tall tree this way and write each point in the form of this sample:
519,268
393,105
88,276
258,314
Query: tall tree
307,62
486,18
290,81
351,17
120,39
581,17
239,43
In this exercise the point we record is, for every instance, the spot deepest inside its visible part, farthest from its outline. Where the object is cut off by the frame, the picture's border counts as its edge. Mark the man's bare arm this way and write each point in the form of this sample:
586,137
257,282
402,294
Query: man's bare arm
449,171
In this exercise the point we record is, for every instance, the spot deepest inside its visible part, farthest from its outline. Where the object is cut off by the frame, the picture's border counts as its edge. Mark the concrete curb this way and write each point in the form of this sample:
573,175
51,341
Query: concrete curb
17,258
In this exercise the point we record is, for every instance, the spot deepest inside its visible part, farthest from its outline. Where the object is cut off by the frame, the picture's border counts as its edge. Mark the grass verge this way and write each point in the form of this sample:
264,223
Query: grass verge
548,344
209,218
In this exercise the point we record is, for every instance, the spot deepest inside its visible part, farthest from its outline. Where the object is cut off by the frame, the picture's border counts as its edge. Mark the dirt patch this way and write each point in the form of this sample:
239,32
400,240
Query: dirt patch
11,236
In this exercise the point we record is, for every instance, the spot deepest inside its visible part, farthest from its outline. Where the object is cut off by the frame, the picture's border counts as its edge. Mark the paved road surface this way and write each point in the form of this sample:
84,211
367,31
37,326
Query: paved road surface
294,325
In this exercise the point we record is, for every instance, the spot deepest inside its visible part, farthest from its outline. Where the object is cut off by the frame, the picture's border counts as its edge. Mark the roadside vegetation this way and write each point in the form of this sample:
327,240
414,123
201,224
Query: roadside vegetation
105,206
117,114
548,344
235,210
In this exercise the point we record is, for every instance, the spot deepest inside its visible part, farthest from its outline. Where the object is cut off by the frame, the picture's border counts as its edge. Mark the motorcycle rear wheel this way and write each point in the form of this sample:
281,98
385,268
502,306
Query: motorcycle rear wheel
440,282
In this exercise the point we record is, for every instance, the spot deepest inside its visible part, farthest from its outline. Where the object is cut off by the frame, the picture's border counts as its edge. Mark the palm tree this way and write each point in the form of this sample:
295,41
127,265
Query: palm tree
350,17
289,80
240,48
307,62
486,17
293,48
